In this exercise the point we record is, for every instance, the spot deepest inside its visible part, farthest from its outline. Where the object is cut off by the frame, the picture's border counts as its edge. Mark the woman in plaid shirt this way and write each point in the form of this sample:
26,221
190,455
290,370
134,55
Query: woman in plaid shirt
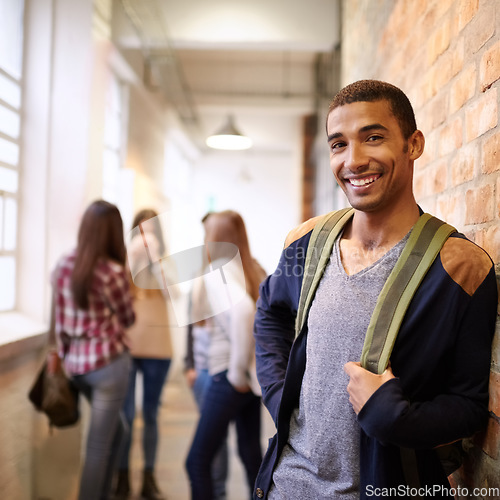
93,306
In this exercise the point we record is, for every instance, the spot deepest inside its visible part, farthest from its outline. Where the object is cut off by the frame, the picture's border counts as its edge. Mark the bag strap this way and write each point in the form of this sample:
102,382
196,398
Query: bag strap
51,337
320,246
424,244
426,240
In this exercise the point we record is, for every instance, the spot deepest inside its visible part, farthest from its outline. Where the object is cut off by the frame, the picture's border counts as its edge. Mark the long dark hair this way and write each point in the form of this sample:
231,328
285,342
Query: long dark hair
229,226
100,236
146,214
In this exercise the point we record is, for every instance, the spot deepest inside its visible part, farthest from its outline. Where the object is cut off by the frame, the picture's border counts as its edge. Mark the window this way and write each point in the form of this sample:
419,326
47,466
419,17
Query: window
113,141
11,59
117,181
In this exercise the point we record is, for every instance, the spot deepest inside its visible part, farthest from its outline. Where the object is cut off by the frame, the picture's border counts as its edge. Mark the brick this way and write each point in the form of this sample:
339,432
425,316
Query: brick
489,239
415,10
447,67
428,204
463,88
429,153
447,209
450,138
438,177
423,117
489,70
462,165
491,154
467,9
438,110
482,115
419,184
428,86
435,12
433,114
439,41
498,202
479,205
399,24
385,41
442,8
398,65
495,347
470,234
491,442
458,57
481,29
494,404
414,48
430,17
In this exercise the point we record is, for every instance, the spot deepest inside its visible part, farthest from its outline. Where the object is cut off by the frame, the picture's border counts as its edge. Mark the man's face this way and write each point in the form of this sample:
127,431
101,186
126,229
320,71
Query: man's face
369,156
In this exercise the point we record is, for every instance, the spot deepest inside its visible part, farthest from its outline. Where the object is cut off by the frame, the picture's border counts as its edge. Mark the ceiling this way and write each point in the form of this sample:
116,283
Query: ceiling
262,61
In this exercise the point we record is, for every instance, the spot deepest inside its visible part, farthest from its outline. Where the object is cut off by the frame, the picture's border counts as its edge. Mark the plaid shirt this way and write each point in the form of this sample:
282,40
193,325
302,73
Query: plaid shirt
89,339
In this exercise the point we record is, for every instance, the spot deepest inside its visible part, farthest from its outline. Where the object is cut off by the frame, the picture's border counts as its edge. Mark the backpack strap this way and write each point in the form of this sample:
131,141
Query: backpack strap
426,240
424,244
320,246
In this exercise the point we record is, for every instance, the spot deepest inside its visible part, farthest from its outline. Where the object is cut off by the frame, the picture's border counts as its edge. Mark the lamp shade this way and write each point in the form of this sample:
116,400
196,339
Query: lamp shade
229,137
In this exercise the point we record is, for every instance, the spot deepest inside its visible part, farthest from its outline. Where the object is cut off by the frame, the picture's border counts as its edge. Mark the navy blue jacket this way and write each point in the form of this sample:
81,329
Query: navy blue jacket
441,360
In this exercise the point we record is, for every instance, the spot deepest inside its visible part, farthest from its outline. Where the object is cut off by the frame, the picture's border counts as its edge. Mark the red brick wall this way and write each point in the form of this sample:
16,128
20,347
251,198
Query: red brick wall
309,130
445,54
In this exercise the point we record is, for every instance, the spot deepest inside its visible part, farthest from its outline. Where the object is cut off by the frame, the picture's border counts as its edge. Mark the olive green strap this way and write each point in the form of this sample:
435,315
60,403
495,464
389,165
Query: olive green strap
318,253
425,242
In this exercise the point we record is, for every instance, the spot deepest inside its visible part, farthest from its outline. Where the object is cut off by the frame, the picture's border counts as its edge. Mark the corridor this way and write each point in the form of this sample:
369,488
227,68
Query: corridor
115,99
178,417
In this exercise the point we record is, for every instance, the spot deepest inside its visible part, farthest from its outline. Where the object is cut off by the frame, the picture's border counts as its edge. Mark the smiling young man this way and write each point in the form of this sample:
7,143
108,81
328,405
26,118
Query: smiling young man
342,431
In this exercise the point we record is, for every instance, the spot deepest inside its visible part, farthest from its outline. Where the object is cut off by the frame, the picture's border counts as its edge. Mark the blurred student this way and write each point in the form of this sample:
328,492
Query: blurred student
150,346
93,306
233,393
198,378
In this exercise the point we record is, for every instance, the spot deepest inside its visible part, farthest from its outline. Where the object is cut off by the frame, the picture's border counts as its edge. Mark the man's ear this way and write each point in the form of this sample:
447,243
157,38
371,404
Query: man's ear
416,144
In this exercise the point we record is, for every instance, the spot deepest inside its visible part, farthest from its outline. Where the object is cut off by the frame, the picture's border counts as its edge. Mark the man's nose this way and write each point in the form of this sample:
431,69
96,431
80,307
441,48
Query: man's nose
356,157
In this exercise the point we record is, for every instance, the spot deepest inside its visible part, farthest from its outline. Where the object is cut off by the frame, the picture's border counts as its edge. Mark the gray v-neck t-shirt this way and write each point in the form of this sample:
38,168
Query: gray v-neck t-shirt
321,458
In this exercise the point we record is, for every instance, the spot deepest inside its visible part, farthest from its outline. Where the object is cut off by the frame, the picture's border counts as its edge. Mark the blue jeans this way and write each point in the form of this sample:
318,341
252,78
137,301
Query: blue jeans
222,405
220,464
105,390
154,374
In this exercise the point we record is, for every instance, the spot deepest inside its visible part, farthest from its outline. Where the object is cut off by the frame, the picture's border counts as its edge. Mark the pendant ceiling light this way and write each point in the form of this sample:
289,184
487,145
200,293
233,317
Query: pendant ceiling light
229,137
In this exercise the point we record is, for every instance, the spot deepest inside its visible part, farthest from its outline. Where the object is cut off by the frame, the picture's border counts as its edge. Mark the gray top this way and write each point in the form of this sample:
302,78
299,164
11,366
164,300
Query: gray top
321,458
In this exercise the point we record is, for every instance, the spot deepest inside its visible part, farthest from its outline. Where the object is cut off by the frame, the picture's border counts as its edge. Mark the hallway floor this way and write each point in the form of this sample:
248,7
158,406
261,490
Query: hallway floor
178,418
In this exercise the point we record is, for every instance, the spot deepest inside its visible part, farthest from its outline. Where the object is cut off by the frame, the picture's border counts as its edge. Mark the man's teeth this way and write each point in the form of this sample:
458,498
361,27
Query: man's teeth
362,182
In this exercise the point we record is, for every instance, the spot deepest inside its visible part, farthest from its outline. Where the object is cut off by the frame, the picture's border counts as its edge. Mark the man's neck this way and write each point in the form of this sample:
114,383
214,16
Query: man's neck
370,236
371,230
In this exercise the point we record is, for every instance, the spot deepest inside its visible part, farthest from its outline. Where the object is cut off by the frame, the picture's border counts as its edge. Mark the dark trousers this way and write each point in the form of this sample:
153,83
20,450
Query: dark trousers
154,374
222,405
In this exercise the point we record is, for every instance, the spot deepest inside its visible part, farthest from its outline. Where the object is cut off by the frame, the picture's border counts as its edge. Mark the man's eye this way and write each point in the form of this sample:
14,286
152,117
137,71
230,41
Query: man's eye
374,138
337,145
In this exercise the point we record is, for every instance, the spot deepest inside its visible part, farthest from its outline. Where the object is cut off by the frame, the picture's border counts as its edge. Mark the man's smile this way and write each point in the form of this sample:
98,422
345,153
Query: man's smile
363,181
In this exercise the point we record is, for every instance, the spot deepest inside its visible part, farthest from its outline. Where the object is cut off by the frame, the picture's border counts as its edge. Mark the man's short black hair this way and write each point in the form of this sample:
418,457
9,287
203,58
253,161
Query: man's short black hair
375,90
